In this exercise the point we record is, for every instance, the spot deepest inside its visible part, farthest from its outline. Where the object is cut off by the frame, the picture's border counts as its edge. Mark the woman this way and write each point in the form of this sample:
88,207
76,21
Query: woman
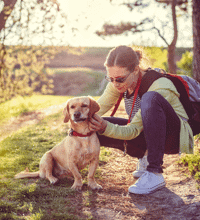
158,122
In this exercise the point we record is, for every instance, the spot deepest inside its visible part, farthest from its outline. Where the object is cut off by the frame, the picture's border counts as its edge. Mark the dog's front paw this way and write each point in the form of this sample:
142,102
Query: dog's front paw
53,180
94,186
77,187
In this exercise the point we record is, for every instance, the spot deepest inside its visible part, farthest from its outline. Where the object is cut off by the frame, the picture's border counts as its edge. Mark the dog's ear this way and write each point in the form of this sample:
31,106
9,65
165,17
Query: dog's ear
66,113
94,106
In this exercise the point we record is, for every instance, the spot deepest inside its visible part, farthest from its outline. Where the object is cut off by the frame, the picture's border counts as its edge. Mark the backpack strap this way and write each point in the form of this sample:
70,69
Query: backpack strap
184,82
147,81
183,89
179,83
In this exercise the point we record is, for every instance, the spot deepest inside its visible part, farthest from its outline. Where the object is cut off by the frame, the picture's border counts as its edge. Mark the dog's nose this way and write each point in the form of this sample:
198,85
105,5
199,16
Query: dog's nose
77,114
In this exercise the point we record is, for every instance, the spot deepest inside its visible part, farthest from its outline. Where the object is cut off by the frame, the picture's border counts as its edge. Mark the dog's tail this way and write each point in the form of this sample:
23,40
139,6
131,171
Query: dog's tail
26,174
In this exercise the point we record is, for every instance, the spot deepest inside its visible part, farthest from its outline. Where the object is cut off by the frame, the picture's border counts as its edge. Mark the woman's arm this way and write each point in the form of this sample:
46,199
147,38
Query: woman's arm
108,99
133,129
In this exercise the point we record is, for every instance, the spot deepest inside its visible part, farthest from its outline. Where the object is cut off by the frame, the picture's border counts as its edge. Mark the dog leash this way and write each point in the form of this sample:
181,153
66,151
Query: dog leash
117,104
134,99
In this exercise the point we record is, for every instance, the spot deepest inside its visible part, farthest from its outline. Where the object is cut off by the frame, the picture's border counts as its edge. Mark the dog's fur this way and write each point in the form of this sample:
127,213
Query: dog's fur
73,153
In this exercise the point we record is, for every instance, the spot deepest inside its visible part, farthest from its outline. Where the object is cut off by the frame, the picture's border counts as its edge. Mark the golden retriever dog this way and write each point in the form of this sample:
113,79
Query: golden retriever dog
80,148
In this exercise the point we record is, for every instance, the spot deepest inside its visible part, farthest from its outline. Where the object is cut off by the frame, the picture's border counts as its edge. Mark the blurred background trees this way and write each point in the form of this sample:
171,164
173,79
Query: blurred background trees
148,24
21,64
24,22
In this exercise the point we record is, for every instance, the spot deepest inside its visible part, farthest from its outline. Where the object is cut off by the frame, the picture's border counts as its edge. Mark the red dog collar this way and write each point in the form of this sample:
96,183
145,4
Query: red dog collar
74,133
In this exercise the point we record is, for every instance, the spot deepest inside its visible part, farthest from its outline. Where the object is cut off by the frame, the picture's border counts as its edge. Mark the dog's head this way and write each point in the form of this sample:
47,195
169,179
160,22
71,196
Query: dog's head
79,109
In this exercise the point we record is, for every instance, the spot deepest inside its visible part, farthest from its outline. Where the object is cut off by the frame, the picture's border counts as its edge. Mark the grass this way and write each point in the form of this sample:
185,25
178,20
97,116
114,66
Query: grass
192,162
96,51
80,77
37,198
91,88
20,105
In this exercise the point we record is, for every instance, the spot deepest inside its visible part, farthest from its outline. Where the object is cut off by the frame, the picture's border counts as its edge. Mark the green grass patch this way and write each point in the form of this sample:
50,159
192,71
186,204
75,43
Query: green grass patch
37,198
192,163
85,78
20,105
93,88
96,51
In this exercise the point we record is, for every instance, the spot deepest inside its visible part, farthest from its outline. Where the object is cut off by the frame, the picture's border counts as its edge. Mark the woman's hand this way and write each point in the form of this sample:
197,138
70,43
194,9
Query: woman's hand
97,123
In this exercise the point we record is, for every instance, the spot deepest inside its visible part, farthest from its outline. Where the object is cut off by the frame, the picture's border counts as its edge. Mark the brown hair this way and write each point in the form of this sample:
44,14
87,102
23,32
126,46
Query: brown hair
123,56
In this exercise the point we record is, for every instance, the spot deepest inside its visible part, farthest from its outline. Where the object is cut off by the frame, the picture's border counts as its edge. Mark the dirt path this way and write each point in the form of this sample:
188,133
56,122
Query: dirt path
179,200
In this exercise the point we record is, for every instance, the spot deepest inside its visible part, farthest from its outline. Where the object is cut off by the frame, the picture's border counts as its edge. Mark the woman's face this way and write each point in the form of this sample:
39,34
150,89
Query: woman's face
131,78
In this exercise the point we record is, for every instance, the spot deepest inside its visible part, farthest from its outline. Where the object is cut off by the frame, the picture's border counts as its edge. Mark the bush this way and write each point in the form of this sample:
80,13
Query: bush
192,161
193,164
22,71
185,64
157,57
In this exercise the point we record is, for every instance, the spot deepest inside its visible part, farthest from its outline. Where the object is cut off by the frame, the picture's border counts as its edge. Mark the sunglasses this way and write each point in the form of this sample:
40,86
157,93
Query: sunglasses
117,80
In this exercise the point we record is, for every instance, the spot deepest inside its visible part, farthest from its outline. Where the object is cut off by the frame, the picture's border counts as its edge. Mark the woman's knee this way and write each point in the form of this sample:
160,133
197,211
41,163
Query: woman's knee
149,100
150,97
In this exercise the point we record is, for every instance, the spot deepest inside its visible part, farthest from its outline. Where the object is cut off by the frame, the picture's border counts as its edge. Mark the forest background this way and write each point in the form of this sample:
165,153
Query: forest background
33,33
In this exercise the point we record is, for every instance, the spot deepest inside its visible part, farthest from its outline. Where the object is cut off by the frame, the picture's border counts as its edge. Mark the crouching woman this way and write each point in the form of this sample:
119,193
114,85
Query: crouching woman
158,121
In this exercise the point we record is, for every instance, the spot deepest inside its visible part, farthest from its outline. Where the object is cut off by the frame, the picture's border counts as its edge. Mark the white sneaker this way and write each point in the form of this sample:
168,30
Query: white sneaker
141,167
148,183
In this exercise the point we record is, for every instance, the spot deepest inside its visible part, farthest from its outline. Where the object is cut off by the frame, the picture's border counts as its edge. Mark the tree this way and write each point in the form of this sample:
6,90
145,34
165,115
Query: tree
22,66
133,27
196,39
172,45
8,6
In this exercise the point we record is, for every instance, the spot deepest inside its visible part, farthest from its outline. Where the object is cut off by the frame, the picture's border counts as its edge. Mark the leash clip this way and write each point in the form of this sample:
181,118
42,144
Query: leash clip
70,132
125,147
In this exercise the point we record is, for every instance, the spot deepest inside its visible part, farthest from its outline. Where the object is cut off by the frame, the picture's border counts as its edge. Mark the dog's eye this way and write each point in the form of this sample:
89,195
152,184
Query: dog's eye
84,106
72,106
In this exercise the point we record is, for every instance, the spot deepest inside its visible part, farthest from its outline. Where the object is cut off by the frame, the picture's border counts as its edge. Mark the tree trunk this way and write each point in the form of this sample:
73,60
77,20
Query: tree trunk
196,39
5,13
172,46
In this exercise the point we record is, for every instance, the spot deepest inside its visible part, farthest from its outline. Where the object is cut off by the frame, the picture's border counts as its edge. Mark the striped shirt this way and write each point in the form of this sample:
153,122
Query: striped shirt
128,100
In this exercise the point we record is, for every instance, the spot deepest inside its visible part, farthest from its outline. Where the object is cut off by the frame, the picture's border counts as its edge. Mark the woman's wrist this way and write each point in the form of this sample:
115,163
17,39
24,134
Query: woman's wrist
103,127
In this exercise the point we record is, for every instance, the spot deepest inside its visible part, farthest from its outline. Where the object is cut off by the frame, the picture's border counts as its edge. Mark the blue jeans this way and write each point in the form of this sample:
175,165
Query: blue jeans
161,132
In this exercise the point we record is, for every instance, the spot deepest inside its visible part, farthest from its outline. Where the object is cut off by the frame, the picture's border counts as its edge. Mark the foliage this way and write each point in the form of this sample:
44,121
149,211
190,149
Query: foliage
149,23
192,162
24,71
185,64
33,22
37,198
157,57
28,22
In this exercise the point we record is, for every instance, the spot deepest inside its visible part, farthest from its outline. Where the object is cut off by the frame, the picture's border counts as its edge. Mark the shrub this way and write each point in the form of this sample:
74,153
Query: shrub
22,71
185,64
157,57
